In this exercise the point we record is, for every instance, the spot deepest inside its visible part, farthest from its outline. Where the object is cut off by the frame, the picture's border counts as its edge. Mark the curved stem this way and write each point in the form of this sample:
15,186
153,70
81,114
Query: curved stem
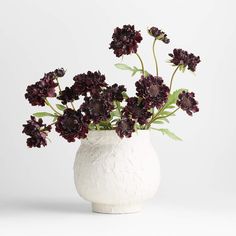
172,77
72,104
160,117
154,55
48,103
140,59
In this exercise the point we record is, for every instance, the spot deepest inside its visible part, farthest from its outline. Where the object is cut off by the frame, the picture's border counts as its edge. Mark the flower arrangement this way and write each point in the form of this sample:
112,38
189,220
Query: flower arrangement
108,107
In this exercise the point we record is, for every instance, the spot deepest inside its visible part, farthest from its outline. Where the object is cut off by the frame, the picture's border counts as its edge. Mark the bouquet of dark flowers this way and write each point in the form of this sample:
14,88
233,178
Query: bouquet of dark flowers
109,107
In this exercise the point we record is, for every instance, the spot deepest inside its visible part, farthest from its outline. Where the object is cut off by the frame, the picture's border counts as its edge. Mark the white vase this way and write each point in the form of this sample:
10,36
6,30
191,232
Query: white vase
116,175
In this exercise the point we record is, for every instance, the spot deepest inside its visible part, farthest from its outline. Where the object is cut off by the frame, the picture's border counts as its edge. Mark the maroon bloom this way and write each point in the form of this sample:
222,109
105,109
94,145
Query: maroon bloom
38,92
136,110
92,82
68,95
187,102
183,58
97,108
158,34
125,127
125,40
152,90
72,124
114,92
37,132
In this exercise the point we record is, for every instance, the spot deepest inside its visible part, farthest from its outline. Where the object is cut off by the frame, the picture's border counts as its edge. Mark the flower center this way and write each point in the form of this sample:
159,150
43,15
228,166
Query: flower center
154,90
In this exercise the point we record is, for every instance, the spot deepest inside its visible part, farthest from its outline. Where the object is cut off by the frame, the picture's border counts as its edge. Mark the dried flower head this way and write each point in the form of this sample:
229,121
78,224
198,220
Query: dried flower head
152,90
38,92
187,102
125,127
114,92
97,108
184,59
158,34
60,72
92,83
37,132
68,95
125,40
72,124
136,110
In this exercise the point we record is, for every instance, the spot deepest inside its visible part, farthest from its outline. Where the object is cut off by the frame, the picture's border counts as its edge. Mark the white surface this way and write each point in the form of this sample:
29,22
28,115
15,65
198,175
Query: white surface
198,189
117,174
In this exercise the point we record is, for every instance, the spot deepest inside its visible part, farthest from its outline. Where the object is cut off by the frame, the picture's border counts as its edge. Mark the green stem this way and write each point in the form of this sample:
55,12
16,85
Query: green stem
48,103
154,55
172,77
72,105
156,117
140,59
160,117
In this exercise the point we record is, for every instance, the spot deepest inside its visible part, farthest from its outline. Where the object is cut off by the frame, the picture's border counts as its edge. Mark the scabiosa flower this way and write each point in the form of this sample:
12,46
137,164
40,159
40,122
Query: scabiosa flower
72,124
152,90
59,72
97,108
125,40
158,34
67,95
187,102
37,132
125,127
38,92
114,92
183,58
92,82
136,110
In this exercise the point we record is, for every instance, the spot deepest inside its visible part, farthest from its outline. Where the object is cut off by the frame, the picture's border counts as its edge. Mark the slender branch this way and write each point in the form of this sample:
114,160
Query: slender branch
154,55
48,103
173,75
58,84
72,105
156,117
160,117
140,59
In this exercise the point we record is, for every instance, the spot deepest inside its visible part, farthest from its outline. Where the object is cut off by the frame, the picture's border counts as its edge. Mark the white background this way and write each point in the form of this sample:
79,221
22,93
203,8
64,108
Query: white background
198,189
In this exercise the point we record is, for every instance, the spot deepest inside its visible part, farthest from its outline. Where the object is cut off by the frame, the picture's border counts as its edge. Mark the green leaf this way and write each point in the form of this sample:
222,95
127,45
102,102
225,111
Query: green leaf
170,134
60,107
43,114
158,122
172,99
122,66
164,119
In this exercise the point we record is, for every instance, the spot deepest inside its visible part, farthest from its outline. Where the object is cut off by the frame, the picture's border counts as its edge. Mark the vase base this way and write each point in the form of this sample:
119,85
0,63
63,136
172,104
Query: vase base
116,209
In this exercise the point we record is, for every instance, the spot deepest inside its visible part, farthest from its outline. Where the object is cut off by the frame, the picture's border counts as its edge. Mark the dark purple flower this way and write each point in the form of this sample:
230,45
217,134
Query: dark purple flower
187,102
67,95
37,132
60,72
38,92
72,124
125,40
97,108
158,34
114,92
92,82
136,110
125,127
152,90
183,58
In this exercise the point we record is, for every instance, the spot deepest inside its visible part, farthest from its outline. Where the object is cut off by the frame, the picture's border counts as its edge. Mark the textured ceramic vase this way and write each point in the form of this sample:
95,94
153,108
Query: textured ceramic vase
116,175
